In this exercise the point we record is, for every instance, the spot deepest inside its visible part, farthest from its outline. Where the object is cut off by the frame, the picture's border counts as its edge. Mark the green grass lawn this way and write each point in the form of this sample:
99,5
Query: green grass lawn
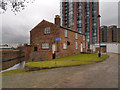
85,57
13,72
21,71
51,63
79,59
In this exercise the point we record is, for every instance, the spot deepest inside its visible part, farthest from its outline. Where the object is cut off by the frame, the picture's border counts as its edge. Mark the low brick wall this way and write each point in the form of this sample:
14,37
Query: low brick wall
10,63
40,56
9,54
11,57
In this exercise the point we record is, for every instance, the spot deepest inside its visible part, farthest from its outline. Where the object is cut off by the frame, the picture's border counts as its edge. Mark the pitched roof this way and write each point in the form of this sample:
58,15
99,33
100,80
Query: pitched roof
70,30
58,26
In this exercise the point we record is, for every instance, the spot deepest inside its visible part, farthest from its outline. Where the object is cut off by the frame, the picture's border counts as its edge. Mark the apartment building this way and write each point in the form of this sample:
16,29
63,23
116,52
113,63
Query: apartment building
109,34
84,15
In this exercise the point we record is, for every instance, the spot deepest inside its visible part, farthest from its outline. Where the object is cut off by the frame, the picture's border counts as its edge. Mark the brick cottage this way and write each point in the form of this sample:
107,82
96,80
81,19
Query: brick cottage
44,44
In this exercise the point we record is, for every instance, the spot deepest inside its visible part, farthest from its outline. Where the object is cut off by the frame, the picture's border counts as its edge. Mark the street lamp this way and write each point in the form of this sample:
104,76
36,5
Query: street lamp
99,54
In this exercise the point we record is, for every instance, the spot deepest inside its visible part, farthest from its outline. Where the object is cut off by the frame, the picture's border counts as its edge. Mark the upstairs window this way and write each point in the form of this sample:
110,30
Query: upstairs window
47,30
66,33
45,45
76,36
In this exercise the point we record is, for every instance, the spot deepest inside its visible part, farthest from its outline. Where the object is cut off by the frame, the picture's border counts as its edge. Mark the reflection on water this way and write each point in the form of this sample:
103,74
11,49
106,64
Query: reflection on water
17,66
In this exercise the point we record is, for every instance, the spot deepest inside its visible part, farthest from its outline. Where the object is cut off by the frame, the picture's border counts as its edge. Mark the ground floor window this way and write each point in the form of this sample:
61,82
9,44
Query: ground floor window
64,45
45,45
76,45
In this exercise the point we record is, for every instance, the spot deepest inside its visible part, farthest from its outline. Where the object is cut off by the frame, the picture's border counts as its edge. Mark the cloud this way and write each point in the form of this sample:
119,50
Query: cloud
12,37
109,13
15,28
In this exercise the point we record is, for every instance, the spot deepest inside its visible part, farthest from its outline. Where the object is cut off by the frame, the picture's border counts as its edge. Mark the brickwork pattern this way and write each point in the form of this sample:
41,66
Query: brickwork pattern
110,35
37,37
11,57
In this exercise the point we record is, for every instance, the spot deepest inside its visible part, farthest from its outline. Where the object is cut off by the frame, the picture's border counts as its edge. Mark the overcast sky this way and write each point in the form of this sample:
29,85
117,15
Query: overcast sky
15,28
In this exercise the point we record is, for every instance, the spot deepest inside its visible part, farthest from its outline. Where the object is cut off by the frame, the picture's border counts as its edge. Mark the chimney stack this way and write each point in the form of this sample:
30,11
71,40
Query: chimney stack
57,20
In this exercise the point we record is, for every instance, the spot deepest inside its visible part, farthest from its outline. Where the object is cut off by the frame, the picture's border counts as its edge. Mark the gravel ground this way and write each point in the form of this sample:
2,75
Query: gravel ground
98,75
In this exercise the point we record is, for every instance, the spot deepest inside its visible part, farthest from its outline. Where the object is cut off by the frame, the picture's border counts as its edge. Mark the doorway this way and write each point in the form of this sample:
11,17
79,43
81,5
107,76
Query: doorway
81,47
53,51
35,48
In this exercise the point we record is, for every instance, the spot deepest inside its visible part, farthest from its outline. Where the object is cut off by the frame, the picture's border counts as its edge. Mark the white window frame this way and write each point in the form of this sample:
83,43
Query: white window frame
66,33
76,45
45,45
83,37
64,46
76,36
47,30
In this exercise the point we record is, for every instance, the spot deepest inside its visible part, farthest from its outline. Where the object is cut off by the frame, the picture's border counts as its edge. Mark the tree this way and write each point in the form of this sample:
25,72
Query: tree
15,5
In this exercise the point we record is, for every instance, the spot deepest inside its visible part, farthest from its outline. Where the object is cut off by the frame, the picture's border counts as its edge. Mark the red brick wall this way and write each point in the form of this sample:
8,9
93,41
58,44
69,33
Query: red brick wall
109,36
75,16
71,48
63,14
91,31
28,50
37,37
101,29
11,57
98,22
118,37
37,34
9,54
40,56
83,17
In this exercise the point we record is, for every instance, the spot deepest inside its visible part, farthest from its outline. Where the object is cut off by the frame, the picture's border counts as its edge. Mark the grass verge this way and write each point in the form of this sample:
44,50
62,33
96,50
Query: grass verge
21,71
74,60
85,57
59,63
79,59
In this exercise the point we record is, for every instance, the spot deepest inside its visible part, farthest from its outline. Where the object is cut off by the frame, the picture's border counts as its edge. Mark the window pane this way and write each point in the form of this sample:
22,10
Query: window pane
76,36
45,45
66,34
64,46
47,30
76,44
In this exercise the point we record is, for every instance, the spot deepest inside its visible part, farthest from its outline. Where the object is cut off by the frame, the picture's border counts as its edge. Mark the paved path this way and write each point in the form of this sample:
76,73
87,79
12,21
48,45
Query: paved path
98,75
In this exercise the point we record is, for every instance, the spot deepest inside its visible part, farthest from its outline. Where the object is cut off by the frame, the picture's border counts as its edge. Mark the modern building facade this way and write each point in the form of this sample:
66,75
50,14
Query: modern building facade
109,34
48,40
83,15
109,39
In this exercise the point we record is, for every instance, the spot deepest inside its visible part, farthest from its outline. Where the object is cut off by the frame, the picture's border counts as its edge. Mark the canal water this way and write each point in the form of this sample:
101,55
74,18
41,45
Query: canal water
17,66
